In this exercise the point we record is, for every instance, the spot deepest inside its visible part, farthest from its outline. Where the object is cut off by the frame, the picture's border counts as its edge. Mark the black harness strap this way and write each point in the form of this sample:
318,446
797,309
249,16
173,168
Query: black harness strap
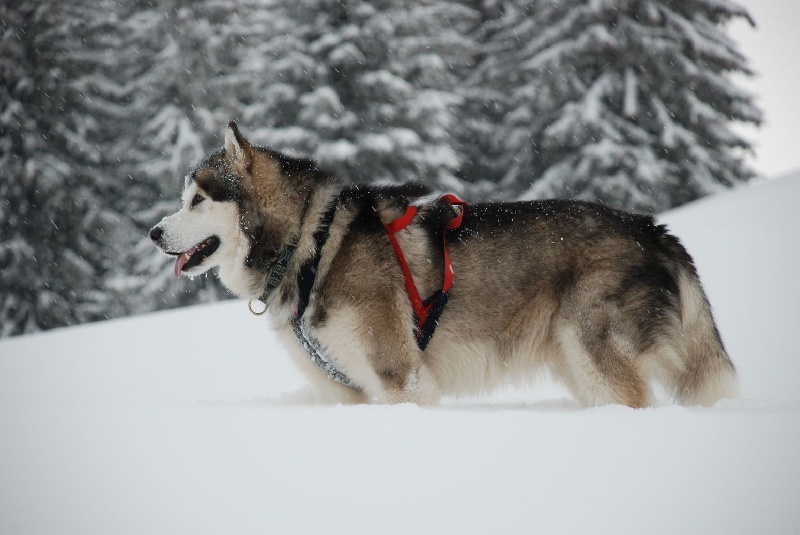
305,284
308,273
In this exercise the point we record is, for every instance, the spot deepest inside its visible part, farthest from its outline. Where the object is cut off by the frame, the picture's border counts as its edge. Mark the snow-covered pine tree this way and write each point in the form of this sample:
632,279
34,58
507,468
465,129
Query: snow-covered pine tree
433,46
483,101
105,105
52,219
629,102
365,88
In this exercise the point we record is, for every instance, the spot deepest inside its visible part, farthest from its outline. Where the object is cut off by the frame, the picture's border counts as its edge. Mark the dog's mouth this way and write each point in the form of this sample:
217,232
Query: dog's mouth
194,256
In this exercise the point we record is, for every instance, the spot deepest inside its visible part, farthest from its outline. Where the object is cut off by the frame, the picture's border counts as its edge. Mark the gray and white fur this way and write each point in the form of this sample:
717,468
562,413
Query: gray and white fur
609,302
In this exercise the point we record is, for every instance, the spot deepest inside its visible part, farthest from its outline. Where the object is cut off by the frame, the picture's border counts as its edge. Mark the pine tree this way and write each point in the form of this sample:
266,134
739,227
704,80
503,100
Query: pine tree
52,220
104,106
484,101
366,88
628,102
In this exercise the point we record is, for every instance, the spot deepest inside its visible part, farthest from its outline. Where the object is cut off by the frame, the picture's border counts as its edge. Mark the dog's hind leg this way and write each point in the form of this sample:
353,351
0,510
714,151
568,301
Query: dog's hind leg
597,365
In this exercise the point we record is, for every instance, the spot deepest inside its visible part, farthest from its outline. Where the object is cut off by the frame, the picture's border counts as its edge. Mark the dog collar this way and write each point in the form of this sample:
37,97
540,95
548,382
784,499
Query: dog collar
277,270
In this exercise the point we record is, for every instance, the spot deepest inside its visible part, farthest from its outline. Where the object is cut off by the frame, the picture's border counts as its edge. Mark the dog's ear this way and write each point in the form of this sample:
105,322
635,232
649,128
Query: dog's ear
237,149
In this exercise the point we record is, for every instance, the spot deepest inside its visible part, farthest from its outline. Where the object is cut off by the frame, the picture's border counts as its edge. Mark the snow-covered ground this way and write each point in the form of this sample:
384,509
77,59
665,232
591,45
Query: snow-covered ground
176,423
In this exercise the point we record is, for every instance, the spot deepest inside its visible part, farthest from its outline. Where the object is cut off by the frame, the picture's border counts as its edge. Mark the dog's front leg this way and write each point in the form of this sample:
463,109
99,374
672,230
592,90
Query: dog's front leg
403,376
379,354
414,385
321,389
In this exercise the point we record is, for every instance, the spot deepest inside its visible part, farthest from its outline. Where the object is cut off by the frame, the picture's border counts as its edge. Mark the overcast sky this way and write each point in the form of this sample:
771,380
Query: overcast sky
773,48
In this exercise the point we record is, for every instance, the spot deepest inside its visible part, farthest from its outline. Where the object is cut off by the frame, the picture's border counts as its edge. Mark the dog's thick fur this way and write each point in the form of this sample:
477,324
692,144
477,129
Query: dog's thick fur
608,301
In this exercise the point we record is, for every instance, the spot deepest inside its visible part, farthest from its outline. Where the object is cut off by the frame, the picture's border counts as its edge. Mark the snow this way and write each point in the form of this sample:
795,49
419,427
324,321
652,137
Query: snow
182,422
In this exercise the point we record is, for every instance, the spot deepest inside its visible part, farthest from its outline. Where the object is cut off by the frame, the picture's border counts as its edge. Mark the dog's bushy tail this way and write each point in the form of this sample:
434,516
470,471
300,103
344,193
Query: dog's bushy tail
708,374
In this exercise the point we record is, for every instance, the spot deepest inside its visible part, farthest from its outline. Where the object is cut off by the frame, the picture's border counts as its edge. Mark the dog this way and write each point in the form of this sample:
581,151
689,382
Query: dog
608,302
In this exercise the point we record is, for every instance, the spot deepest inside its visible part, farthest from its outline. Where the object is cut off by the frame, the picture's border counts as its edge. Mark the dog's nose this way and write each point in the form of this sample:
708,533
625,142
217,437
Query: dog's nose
155,233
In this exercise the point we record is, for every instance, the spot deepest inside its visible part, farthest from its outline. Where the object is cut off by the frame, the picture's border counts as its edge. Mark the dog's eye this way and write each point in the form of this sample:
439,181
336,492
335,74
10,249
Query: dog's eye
197,200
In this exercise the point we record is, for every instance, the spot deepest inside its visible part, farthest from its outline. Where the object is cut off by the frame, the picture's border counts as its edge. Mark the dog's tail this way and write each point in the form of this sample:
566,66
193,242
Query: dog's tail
708,373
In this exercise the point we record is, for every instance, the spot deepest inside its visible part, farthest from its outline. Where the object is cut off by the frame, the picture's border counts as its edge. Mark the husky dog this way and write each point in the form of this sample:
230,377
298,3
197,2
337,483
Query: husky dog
609,302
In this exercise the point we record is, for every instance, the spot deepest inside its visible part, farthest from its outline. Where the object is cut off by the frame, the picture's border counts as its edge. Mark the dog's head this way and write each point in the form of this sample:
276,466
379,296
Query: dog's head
237,212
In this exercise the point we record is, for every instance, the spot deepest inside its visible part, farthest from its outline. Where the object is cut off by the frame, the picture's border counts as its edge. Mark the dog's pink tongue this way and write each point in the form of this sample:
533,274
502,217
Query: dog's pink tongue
179,263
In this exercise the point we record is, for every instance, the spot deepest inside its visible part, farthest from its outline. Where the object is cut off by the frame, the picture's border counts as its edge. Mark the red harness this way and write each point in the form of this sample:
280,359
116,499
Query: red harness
426,313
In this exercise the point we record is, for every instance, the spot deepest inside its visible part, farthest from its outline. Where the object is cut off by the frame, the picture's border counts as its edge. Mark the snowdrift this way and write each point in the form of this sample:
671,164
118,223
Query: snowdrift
180,422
